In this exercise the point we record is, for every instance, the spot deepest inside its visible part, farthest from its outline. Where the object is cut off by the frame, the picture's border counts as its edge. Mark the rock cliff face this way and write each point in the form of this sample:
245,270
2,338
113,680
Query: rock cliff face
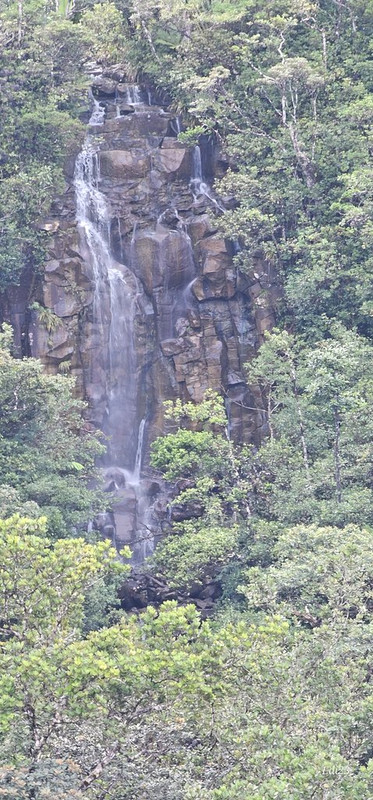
140,299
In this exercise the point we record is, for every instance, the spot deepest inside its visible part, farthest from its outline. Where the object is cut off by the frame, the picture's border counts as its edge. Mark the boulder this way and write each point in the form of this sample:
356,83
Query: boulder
172,347
186,511
116,72
104,86
50,226
61,301
57,344
173,159
123,164
214,245
199,228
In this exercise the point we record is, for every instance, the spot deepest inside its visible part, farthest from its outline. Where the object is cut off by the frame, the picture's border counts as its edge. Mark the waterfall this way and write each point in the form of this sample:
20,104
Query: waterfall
133,237
117,104
197,165
133,95
121,253
197,183
176,126
228,409
140,328
114,307
91,215
140,442
98,111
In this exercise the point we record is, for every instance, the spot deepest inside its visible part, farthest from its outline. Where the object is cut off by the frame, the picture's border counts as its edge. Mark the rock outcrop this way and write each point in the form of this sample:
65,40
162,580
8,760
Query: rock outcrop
192,320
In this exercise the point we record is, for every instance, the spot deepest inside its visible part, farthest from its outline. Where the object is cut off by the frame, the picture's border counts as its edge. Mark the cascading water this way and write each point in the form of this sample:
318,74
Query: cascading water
133,95
98,111
176,125
117,104
197,183
114,307
197,163
140,442
150,306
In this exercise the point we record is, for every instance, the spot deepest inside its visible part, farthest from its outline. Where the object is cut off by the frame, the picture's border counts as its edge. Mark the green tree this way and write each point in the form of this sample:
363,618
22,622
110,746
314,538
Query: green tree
74,711
266,708
47,453
319,424
318,575
105,27
286,88
41,60
213,492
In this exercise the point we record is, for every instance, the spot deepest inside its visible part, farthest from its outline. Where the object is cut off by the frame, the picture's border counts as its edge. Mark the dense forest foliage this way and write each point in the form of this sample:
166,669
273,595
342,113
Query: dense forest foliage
270,699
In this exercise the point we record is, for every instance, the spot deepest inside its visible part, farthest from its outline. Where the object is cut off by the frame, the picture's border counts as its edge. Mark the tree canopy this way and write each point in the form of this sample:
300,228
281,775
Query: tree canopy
271,698
47,451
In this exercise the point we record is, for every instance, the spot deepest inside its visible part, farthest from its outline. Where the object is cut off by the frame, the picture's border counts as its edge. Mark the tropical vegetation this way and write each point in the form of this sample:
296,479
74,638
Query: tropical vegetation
271,697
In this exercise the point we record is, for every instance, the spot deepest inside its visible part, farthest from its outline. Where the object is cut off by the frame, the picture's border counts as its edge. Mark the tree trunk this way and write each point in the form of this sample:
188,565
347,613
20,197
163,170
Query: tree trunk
303,160
95,773
146,32
269,416
20,22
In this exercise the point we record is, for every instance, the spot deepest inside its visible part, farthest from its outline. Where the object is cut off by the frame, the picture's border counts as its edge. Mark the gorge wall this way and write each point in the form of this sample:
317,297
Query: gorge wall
140,300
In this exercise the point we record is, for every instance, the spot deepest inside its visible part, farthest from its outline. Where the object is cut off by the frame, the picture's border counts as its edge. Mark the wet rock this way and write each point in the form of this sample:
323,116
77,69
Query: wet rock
57,344
144,588
116,72
61,301
129,128
171,347
50,227
173,160
104,86
163,258
122,164
198,289
199,227
104,523
54,267
179,512
194,321
114,476
122,89
124,512
170,218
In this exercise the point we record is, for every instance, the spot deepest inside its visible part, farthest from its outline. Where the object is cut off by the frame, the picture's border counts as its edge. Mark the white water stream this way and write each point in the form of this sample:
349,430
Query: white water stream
131,97
114,310
198,184
113,370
